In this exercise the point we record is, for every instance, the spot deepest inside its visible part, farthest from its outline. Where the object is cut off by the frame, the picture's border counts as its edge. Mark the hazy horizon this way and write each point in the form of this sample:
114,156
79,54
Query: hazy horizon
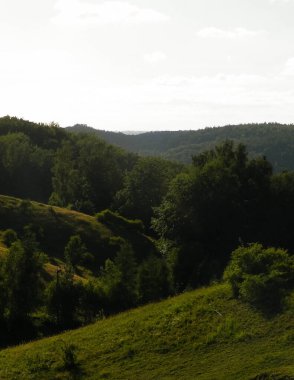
147,65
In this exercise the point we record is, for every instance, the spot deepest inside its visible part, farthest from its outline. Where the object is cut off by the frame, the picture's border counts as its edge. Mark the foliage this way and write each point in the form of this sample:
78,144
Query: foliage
273,140
9,237
69,356
144,187
87,173
112,219
75,252
44,162
120,279
224,198
154,280
92,301
63,298
22,271
261,276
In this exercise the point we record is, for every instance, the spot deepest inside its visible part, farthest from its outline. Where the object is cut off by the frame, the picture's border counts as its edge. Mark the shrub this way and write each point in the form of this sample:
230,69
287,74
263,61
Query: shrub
261,276
69,356
9,237
113,219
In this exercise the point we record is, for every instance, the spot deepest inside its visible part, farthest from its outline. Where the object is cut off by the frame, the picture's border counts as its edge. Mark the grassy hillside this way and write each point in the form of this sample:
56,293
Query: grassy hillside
55,225
204,334
275,141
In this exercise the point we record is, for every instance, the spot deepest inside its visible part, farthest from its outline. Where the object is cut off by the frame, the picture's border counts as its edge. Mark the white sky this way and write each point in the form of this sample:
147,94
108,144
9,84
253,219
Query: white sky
147,64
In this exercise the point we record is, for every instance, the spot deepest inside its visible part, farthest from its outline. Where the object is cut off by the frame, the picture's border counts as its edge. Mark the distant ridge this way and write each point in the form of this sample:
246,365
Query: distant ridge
273,140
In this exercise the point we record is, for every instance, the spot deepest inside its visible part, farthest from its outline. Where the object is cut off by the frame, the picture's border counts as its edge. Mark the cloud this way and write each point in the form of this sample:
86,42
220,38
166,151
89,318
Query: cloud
168,102
232,34
154,57
281,1
78,12
288,69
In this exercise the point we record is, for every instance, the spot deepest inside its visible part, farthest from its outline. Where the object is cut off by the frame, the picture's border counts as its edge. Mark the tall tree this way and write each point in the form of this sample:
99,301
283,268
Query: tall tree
144,187
207,212
23,268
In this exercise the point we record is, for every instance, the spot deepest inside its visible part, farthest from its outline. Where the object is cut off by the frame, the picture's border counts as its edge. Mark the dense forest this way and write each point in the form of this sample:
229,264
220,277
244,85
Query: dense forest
113,230
273,140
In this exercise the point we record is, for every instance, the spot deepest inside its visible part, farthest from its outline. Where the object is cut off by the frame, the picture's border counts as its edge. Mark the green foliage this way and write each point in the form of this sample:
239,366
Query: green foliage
144,187
280,219
154,280
261,276
112,219
75,251
69,356
9,237
224,198
87,173
273,140
22,271
120,279
62,298
43,162
92,301
24,167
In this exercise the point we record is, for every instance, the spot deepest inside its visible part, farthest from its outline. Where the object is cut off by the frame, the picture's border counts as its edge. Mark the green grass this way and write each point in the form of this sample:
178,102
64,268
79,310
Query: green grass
204,334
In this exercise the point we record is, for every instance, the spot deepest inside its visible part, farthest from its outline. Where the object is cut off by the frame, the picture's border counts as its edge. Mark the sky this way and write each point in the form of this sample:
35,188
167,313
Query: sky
147,64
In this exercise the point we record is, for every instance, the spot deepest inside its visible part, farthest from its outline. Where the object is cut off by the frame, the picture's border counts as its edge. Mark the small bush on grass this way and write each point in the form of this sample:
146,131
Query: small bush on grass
261,276
69,356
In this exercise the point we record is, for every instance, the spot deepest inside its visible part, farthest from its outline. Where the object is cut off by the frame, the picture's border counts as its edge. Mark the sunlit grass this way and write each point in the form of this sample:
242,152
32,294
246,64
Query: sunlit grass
204,334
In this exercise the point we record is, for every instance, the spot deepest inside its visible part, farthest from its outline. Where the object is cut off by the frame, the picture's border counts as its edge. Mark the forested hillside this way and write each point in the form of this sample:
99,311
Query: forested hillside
88,230
273,140
47,164
60,268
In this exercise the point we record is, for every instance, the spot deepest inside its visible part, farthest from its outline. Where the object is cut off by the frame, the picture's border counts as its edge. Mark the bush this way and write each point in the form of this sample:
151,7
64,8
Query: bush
113,219
261,276
69,356
9,237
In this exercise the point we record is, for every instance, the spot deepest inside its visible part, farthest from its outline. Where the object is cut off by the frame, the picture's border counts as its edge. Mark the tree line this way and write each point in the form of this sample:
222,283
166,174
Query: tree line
82,172
197,214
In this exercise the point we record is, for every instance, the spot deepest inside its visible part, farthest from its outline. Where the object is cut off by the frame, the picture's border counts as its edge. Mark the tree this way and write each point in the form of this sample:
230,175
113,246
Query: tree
206,212
154,280
23,283
281,217
261,276
63,298
75,251
69,184
92,300
144,187
120,279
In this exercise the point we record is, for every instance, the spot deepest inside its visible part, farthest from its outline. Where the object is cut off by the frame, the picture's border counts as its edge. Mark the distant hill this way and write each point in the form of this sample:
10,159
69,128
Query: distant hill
273,140
204,334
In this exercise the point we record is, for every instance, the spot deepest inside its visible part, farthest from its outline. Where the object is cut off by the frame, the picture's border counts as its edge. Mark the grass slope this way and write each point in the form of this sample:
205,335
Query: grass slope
204,334
55,225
